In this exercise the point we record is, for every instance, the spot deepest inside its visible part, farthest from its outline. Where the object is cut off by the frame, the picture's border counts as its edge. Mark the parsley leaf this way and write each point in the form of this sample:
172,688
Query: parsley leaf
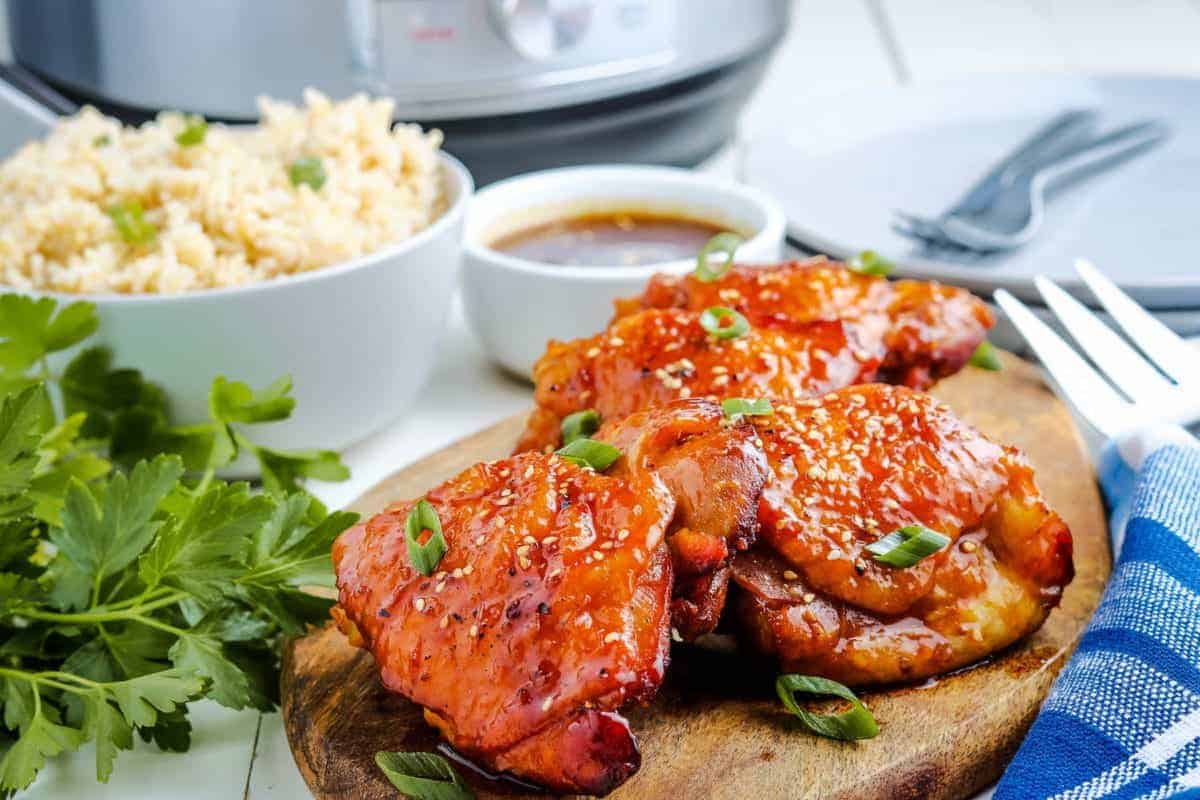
30,330
132,579
40,738
100,538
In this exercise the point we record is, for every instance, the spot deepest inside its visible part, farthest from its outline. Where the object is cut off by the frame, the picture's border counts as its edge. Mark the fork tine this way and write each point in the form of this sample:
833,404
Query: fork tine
1172,354
1131,373
1082,385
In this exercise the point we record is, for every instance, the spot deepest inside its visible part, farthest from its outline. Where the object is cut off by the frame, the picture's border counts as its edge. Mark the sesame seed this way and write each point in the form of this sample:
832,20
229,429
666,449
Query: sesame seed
549,540
468,569
419,603
440,586
833,555
809,597
554,573
480,539
623,534
675,637
524,562
474,631
504,473
969,547
592,353
458,573
547,703
789,575
616,341
445,623
611,637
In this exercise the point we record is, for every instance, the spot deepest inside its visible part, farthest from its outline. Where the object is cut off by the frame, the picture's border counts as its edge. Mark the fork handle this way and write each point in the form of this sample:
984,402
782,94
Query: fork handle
1104,150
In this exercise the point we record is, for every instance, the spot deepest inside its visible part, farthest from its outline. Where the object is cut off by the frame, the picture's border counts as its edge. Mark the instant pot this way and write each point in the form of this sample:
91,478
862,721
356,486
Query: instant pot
515,85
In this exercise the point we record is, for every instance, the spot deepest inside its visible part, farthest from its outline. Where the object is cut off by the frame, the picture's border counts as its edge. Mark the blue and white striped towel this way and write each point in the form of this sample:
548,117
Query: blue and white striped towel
1123,718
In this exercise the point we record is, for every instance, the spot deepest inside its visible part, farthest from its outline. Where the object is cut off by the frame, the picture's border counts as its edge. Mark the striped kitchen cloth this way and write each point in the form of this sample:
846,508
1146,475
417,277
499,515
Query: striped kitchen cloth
1123,718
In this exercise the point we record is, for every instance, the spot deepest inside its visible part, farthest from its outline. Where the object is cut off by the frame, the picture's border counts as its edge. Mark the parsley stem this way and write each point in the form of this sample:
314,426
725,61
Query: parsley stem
96,617
39,678
150,622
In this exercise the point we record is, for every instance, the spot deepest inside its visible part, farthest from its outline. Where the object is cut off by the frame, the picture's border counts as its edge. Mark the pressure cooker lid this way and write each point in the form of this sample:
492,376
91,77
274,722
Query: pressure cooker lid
439,59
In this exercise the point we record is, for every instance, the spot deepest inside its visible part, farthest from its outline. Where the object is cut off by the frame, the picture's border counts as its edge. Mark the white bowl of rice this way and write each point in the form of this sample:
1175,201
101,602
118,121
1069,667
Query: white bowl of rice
323,243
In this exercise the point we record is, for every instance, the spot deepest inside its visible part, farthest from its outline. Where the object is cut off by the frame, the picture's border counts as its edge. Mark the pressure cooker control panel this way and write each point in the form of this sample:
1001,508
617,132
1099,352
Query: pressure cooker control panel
518,44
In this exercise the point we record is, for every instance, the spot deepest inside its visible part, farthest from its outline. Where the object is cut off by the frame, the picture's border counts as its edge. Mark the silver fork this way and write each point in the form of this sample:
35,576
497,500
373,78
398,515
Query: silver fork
1132,389
1015,214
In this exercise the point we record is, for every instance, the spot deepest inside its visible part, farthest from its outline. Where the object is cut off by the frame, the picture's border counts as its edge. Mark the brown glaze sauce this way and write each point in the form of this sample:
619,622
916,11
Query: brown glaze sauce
609,239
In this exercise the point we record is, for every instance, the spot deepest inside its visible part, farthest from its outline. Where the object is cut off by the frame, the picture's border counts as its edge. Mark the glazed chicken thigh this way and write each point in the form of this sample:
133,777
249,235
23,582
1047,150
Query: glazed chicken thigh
924,330
552,605
659,355
852,467
547,613
715,469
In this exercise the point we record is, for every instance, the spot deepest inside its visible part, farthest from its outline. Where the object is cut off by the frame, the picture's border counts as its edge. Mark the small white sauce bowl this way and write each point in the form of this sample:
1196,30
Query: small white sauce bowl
515,305
358,338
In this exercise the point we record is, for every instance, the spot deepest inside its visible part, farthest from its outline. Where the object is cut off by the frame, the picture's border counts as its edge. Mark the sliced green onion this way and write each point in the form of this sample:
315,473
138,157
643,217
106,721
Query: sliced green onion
711,319
193,132
133,228
590,453
103,140
424,557
907,546
579,425
985,357
727,243
423,776
857,723
736,407
307,170
868,262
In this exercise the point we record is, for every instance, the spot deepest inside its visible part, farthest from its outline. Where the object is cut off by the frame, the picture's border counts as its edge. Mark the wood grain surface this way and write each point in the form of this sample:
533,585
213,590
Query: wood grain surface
716,729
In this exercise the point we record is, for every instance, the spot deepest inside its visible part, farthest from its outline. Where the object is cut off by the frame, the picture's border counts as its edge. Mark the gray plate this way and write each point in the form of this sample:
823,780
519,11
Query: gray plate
848,161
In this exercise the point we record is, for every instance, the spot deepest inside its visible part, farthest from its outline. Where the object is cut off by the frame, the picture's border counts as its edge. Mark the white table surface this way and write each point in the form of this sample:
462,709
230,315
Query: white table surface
833,46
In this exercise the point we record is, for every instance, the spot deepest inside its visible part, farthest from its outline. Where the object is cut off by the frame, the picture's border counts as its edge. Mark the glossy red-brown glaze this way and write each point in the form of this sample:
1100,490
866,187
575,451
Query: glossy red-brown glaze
548,612
856,465
653,357
927,330
715,470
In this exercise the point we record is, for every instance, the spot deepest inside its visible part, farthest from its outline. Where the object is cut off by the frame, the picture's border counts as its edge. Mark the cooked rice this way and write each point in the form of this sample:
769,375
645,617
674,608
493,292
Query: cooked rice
225,210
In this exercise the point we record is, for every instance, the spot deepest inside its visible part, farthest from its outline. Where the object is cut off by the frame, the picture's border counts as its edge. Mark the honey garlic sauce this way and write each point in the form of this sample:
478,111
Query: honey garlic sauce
610,238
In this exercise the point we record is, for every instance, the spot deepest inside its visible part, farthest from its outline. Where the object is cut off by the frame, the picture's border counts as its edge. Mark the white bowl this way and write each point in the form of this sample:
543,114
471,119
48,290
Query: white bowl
516,305
358,338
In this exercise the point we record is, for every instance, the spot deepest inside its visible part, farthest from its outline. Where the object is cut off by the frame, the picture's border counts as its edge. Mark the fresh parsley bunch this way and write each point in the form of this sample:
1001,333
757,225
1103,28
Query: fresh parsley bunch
132,580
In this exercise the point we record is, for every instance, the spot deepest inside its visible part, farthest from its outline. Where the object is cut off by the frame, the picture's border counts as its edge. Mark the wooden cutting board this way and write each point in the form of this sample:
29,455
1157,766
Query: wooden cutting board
716,730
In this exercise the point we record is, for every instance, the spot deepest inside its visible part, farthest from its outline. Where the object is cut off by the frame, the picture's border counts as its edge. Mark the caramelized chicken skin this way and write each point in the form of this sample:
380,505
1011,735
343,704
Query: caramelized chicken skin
856,465
714,468
659,355
548,612
926,330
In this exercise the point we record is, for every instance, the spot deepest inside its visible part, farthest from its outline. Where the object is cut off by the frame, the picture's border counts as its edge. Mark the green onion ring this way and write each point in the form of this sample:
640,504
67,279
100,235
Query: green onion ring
985,357
424,557
857,723
726,243
868,262
907,546
737,407
590,453
710,320
579,425
133,228
195,127
307,170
